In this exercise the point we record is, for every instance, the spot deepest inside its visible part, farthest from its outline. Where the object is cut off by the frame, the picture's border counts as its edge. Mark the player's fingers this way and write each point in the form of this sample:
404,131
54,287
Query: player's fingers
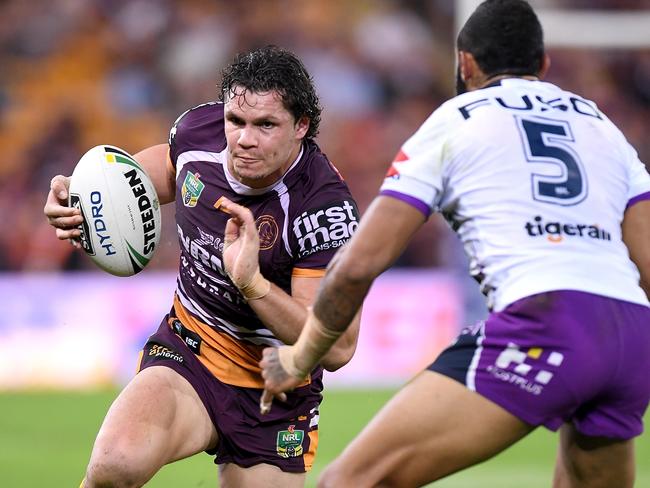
54,211
232,232
242,214
64,234
66,223
59,186
265,402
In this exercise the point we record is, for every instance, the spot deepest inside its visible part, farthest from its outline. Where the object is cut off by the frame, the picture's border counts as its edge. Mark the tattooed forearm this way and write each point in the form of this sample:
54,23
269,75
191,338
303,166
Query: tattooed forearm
339,301
341,294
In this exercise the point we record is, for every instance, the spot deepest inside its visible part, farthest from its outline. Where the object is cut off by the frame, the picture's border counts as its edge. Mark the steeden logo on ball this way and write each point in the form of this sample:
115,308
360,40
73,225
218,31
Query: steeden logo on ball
120,207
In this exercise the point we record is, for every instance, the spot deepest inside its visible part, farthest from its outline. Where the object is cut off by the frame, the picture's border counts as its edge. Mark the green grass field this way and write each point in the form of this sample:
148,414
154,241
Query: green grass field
45,440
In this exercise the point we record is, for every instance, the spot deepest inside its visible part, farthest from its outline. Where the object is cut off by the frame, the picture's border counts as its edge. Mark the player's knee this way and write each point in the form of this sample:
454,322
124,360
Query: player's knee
337,476
115,468
329,478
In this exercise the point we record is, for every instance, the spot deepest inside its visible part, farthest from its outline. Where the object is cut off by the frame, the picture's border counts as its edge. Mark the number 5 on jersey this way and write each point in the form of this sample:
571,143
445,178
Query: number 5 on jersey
550,142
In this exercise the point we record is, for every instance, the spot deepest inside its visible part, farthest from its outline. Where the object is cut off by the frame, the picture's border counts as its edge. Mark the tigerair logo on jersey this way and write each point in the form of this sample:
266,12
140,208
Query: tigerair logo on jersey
557,231
326,227
289,442
191,189
530,370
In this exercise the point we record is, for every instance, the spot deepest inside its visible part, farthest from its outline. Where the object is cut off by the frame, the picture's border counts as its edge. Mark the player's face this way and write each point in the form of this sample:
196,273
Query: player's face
263,137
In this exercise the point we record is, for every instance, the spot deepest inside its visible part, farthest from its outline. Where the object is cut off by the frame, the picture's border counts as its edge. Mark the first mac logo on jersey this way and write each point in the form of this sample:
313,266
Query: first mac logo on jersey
326,227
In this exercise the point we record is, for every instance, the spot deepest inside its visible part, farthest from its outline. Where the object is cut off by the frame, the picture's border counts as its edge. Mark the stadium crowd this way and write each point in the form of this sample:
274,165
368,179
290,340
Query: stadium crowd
77,73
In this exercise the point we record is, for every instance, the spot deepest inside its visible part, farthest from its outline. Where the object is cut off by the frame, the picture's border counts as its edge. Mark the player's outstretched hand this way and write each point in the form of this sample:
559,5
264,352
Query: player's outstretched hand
241,243
63,218
276,379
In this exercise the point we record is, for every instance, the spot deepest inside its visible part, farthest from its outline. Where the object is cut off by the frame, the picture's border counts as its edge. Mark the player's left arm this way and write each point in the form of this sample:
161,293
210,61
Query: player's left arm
155,161
282,314
636,234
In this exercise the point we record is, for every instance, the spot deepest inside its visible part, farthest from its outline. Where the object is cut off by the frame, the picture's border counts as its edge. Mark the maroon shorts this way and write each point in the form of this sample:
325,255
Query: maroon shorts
286,437
562,356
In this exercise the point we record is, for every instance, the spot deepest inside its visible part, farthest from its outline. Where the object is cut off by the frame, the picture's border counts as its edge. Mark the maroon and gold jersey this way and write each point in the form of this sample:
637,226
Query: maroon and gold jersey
302,220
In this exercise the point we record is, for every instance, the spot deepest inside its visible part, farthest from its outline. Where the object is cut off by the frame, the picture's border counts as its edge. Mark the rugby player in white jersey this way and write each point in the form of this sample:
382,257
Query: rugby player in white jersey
553,207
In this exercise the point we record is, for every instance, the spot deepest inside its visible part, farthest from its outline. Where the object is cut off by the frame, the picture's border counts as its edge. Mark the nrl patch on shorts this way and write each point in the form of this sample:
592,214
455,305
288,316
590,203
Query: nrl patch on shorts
289,443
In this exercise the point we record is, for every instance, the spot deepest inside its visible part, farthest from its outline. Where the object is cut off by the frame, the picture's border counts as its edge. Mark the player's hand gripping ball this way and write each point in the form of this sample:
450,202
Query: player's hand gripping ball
120,208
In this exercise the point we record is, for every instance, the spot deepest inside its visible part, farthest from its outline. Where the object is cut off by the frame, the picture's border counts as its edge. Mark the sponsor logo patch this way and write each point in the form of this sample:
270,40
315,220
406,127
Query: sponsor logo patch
191,338
163,352
557,231
326,227
529,370
289,442
191,189
393,171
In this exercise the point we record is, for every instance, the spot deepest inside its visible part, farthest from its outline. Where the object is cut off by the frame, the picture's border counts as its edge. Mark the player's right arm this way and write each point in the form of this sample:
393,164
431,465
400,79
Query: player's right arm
155,161
636,234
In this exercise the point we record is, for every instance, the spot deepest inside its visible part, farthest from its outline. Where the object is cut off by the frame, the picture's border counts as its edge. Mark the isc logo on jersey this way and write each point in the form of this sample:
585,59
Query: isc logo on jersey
326,227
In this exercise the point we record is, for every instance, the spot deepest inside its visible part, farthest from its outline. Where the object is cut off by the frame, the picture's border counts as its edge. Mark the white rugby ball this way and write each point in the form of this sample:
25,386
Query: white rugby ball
120,208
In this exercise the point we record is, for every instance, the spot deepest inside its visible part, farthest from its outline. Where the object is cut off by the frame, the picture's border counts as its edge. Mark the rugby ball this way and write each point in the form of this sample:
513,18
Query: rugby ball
120,208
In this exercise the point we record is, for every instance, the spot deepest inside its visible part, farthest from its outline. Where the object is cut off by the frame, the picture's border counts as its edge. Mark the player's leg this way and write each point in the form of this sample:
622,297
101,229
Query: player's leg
272,450
593,462
434,426
597,446
156,419
258,476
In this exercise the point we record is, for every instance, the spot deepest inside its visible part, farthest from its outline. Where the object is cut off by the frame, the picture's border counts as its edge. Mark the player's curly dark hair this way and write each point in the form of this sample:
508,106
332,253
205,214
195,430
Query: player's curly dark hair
505,37
272,68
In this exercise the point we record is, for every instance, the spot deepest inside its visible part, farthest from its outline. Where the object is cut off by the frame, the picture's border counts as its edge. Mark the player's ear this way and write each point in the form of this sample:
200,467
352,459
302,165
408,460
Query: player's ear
302,126
469,69
546,64
462,65
470,72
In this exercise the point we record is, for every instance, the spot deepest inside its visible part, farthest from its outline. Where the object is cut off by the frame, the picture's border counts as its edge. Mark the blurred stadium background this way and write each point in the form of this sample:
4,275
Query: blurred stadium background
77,73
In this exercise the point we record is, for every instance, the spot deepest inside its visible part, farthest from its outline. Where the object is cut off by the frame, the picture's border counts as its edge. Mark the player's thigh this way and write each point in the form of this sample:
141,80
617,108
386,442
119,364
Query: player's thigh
593,462
156,419
434,426
258,476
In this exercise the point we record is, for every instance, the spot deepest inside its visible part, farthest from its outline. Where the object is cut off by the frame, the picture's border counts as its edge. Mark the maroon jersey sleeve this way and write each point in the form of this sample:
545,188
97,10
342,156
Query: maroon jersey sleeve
200,128
325,219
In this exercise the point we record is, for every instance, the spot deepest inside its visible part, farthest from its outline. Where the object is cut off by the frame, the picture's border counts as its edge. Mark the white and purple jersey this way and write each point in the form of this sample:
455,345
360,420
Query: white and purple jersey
535,180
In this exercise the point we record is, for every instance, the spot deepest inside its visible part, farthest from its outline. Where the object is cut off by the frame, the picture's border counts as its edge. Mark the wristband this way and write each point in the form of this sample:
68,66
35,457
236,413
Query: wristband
314,342
257,287
286,357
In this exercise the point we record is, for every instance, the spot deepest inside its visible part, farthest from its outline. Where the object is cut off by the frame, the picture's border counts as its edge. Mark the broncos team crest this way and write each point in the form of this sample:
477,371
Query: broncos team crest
191,189
267,228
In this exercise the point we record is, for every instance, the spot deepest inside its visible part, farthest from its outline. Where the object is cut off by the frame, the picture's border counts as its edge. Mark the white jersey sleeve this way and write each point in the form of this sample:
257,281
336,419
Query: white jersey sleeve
639,179
535,180
416,174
